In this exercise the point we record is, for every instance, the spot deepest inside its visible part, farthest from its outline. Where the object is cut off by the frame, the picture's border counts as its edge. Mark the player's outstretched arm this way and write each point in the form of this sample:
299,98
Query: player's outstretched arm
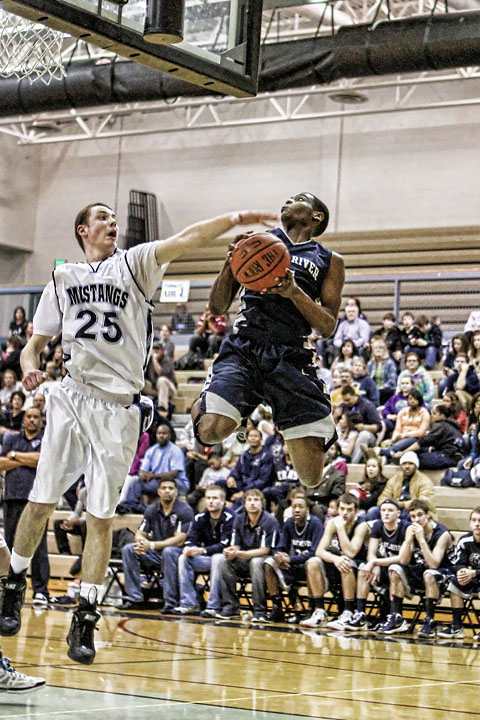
203,232
30,361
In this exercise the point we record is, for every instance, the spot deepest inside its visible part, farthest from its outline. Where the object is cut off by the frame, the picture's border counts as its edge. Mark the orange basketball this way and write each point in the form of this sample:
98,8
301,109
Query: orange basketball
258,259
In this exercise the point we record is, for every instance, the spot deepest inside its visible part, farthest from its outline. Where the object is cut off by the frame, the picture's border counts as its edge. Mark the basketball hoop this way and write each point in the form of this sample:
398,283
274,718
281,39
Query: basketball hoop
29,49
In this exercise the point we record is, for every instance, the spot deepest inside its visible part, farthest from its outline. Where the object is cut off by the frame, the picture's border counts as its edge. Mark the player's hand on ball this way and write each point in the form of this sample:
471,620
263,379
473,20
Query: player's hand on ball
33,379
284,287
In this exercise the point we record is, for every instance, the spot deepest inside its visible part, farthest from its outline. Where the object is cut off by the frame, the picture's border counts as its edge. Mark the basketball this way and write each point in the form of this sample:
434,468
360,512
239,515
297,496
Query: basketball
258,259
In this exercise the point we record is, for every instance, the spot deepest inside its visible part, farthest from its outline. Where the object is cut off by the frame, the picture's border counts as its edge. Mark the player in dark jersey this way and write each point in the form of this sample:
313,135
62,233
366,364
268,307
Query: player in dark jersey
298,542
340,552
424,565
266,358
386,538
466,579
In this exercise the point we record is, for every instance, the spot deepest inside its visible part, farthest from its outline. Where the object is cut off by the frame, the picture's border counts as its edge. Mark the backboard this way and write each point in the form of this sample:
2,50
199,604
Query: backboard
219,51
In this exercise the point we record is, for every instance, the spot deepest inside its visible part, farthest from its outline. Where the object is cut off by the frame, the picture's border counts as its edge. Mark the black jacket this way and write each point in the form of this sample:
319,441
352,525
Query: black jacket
445,437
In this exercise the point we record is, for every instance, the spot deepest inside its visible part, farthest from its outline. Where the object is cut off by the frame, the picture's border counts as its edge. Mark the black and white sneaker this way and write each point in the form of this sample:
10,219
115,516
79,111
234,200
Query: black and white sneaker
394,624
12,601
428,629
451,632
358,622
80,639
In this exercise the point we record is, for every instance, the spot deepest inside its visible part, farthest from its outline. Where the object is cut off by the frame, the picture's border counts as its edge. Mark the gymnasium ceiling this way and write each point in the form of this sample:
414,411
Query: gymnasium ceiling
295,85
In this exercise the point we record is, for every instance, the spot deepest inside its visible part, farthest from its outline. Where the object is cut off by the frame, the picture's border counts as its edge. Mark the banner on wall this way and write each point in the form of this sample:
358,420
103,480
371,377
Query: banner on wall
175,291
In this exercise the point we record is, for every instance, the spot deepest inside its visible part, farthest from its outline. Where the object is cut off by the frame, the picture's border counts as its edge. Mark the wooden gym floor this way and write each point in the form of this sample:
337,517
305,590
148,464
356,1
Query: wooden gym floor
148,667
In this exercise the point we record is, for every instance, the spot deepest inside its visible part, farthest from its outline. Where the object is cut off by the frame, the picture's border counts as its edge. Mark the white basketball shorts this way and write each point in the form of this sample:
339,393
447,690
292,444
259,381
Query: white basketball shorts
86,433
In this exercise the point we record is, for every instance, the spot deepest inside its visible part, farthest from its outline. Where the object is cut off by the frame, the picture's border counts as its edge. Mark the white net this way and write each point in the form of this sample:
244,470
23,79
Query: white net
29,49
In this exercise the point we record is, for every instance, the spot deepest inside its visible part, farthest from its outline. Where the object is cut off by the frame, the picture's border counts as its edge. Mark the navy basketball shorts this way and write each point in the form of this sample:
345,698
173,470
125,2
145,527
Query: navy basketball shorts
249,371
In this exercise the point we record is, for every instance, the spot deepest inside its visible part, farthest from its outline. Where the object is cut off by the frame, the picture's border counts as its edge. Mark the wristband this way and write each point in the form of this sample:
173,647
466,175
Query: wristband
152,545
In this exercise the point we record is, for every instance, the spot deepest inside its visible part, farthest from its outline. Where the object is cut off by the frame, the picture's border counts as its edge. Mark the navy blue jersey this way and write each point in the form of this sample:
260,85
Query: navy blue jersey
390,542
335,548
437,532
277,317
159,526
300,543
213,535
263,534
467,554
274,443
254,470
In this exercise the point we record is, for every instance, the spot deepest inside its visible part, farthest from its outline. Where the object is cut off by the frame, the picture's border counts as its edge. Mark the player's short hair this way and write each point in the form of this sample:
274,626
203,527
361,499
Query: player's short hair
257,493
408,312
422,320
443,410
348,499
83,217
390,501
167,480
20,395
389,316
298,493
348,390
418,504
319,206
475,511
218,489
412,353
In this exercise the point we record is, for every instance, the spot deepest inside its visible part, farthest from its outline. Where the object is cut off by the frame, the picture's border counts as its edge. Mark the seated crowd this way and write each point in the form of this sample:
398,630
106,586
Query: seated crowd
237,512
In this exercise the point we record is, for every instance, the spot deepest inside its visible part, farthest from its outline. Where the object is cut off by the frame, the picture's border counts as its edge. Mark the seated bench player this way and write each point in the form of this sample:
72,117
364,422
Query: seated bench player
424,565
465,580
254,535
386,538
339,553
209,534
298,542
158,545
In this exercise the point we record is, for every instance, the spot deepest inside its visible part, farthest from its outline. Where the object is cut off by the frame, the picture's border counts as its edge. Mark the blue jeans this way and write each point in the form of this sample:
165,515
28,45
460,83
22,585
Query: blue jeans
435,460
397,446
187,567
165,560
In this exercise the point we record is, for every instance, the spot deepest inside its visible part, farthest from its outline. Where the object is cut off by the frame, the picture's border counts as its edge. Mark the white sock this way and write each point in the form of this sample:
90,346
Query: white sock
18,563
90,592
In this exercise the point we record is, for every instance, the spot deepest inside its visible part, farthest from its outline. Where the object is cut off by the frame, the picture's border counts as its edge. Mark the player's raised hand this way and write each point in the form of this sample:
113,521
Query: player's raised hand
255,217
33,379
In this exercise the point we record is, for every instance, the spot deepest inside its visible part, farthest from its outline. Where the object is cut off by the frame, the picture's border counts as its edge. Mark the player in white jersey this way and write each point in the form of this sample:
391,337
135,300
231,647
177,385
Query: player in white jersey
11,680
102,308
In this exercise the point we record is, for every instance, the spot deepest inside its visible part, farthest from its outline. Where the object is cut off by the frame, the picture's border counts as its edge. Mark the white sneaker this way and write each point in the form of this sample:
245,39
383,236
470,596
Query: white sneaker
40,600
13,681
317,618
341,622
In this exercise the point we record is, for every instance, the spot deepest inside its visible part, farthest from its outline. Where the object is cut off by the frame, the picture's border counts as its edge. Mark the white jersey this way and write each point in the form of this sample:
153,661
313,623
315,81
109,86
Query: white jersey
103,311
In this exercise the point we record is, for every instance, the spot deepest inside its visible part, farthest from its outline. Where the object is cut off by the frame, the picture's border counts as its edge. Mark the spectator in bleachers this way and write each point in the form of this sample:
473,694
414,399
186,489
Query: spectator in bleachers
442,446
354,328
386,538
10,358
474,351
424,559
158,545
420,377
371,486
396,403
28,331
459,344
324,372
262,415
336,391
255,533
473,438
286,479
369,425
182,321
465,582
428,341
162,461
463,378
209,534
20,455
18,324
213,474
73,525
209,333
332,485
39,401
409,331
363,382
9,385
298,542
142,446
254,469
473,322
390,334
382,369
166,341
160,378
347,353
347,435
334,567
52,380
408,484
57,359
11,419
453,401
346,380
413,422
